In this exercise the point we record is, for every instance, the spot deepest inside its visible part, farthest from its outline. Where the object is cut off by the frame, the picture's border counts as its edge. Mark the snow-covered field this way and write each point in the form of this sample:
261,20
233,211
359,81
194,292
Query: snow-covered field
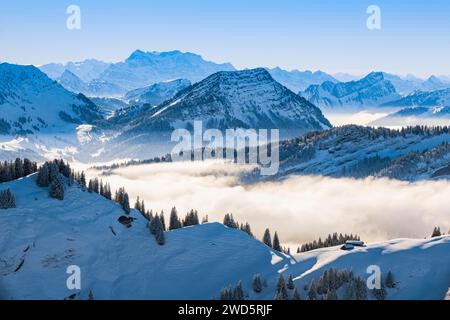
43,236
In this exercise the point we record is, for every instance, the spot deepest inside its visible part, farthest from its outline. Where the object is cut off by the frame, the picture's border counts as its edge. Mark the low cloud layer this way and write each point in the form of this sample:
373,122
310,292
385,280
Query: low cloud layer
299,208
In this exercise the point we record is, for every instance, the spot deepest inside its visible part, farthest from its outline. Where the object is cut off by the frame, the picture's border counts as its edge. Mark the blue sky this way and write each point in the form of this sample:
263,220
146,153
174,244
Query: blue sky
293,34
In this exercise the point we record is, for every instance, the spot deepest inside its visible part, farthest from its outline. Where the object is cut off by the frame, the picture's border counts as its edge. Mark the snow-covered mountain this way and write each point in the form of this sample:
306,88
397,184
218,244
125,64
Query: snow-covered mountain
95,88
224,100
230,99
157,93
86,70
373,90
142,69
30,102
296,80
43,236
416,116
73,83
438,98
356,151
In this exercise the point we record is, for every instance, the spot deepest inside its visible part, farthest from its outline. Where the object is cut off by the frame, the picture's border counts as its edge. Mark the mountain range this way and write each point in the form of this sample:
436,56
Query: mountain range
370,91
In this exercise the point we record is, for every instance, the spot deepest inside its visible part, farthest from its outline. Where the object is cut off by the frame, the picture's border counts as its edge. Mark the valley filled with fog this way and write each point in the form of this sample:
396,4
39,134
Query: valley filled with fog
300,208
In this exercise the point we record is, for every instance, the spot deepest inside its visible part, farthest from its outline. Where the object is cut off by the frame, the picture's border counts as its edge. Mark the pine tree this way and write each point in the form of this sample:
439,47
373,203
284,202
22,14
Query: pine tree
290,283
312,291
7,199
126,203
155,224
18,168
42,179
159,236
331,295
281,293
91,186
56,189
228,221
436,232
226,294
276,242
163,221
83,181
257,286
390,280
267,240
174,222
296,295
238,293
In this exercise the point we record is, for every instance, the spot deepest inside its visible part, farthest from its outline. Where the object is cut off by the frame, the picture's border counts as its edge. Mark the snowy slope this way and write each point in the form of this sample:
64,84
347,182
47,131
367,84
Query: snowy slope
372,90
156,93
30,102
42,236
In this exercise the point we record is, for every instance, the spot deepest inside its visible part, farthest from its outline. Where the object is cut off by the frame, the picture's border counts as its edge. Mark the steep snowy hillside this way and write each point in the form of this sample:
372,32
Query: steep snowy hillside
43,236
30,102
141,69
356,151
157,93
296,80
373,90
86,70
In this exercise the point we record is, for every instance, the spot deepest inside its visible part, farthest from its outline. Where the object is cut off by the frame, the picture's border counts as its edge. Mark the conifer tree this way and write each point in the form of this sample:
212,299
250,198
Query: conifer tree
390,280
159,236
281,292
267,240
238,293
290,283
174,222
126,203
7,199
276,242
436,232
56,189
295,295
312,291
257,286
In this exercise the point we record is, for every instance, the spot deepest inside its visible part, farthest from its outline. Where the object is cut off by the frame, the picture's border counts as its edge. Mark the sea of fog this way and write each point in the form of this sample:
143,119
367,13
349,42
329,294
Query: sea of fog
299,208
